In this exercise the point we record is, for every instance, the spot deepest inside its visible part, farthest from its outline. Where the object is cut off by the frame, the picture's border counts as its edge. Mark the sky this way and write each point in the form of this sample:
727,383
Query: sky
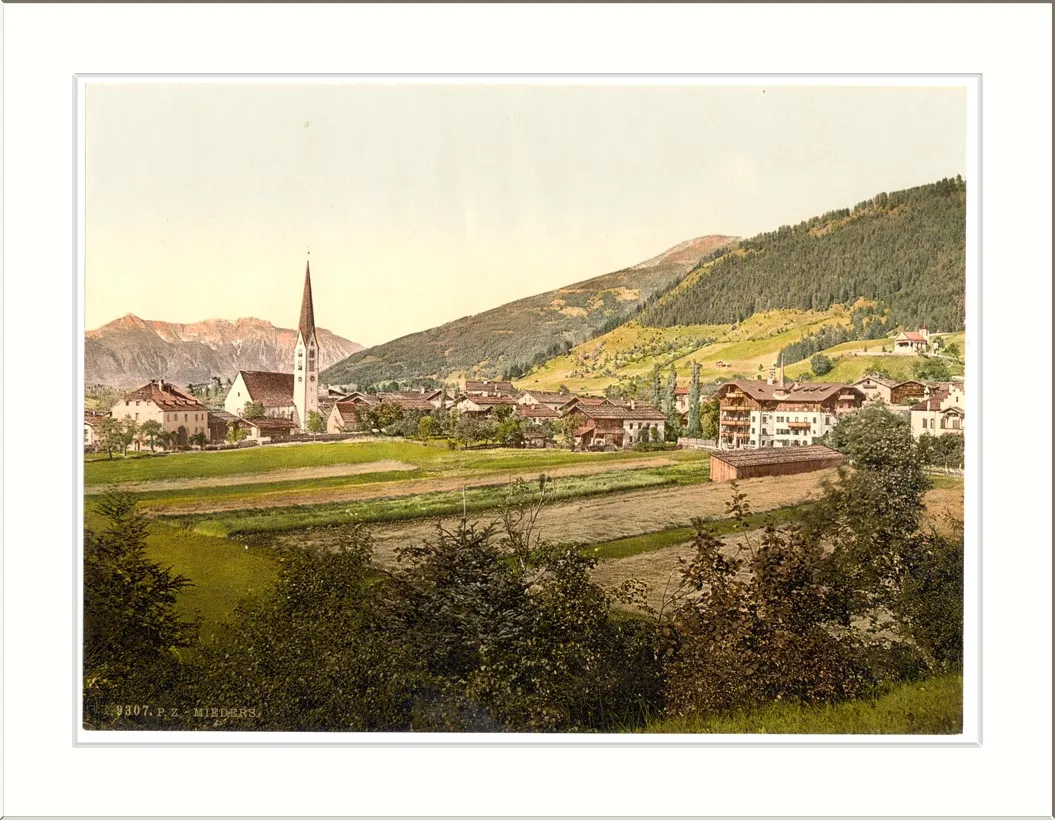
421,202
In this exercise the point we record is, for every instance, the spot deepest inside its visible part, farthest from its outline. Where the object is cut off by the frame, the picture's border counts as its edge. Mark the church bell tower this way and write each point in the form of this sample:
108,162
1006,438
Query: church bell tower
306,358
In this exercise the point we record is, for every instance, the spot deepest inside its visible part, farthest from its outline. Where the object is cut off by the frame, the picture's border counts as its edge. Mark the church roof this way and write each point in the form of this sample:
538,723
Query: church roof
307,308
269,389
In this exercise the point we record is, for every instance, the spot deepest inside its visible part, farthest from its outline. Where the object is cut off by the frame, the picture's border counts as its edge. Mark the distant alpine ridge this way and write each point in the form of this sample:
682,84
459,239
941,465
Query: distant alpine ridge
129,351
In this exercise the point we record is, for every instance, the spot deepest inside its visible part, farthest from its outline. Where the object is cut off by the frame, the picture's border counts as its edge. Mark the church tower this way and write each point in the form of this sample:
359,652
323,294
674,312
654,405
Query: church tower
306,358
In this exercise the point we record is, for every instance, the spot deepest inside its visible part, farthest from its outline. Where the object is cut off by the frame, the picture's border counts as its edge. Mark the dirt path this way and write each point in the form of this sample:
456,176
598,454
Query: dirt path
394,489
601,518
295,474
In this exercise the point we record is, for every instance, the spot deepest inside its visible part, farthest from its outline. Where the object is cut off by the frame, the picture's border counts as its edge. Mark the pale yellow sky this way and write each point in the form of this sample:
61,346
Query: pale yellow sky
425,202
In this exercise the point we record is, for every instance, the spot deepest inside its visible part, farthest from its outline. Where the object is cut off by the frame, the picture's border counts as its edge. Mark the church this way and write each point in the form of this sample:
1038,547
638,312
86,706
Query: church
293,395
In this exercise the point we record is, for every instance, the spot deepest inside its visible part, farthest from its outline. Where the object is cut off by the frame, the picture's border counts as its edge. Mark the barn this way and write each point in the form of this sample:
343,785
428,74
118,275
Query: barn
728,465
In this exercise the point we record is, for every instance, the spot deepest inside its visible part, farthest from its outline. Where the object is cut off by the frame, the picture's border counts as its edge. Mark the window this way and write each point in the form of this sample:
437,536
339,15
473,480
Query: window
932,424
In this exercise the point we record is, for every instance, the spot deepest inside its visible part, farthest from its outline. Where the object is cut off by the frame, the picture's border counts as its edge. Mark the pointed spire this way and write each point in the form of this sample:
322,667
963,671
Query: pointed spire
307,308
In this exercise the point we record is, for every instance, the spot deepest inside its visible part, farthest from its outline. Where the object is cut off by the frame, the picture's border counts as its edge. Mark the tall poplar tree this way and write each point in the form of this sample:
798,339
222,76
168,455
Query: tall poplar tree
694,429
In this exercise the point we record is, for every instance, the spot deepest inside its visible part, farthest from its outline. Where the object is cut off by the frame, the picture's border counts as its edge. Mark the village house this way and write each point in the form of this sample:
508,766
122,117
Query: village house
293,395
480,405
775,414
909,343
220,421
419,400
572,402
542,398
612,425
889,391
474,387
177,413
940,413
91,438
681,400
536,413
267,429
739,464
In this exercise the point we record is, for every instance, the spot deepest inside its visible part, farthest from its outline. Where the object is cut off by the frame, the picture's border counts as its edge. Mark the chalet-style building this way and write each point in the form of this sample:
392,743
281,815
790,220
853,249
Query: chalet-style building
293,395
739,464
475,387
940,413
571,402
774,414
542,398
480,405
889,391
346,414
909,343
176,411
268,429
536,413
614,425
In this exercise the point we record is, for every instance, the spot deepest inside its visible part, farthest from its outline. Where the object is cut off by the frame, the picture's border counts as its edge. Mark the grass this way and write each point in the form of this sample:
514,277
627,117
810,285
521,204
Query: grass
930,707
946,482
223,572
254,460
436,504
636,544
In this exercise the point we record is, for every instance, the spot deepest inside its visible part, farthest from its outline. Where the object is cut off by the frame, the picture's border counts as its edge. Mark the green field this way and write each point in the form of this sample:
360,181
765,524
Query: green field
436,504
223,572
253,460
929,707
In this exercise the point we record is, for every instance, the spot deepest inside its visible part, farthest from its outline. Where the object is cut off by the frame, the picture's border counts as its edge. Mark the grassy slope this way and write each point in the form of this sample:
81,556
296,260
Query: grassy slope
632,350
929,707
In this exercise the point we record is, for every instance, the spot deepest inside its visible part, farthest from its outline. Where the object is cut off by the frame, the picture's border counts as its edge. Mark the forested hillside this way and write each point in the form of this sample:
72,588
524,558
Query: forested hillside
904,250
507,340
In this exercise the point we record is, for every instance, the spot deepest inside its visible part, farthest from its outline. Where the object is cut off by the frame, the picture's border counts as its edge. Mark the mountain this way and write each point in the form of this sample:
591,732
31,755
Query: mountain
905,250
129,351
840,283
508,340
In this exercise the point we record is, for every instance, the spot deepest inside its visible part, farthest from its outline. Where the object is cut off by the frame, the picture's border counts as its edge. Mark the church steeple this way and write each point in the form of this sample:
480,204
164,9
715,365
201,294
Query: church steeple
306,359
307,308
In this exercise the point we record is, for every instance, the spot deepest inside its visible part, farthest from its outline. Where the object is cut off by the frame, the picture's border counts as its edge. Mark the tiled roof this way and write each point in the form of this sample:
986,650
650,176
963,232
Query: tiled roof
777,455
222,416
269,389
642,413
348,411
165,396
539,411
877,380
407,402
933,401
91,419
485,401
546,397
912,336
804,391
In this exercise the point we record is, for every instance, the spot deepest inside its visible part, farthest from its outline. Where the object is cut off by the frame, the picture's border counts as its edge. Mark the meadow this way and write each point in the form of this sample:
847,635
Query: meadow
929,707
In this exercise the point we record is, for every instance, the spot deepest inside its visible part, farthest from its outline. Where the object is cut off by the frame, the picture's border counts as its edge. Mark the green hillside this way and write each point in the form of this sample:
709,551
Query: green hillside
904,250
506,341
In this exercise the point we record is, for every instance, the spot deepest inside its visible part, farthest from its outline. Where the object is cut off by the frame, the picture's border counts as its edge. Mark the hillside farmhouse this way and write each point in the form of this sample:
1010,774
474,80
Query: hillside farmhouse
177,413
940,413
909,343
776,414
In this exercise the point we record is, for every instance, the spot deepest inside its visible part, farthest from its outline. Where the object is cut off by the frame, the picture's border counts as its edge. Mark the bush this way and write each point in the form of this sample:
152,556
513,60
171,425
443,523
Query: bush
820,364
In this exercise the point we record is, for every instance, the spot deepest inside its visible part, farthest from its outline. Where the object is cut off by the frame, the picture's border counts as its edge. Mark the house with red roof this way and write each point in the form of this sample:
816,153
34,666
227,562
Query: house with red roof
177,412
909,343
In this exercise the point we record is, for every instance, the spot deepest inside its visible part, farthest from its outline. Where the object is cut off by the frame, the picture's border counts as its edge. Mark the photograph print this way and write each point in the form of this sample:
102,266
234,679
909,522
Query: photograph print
524,406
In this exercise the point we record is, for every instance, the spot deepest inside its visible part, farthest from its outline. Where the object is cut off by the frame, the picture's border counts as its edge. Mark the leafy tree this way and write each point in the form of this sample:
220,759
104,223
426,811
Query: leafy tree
109,433
759,622
132,632
654,435
316,423
127,429
953,350
381,417
931,369
426,427
566,426
235,433
820,364
709,412
199,440
656,392
694,428
253,410
672,428
150,431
